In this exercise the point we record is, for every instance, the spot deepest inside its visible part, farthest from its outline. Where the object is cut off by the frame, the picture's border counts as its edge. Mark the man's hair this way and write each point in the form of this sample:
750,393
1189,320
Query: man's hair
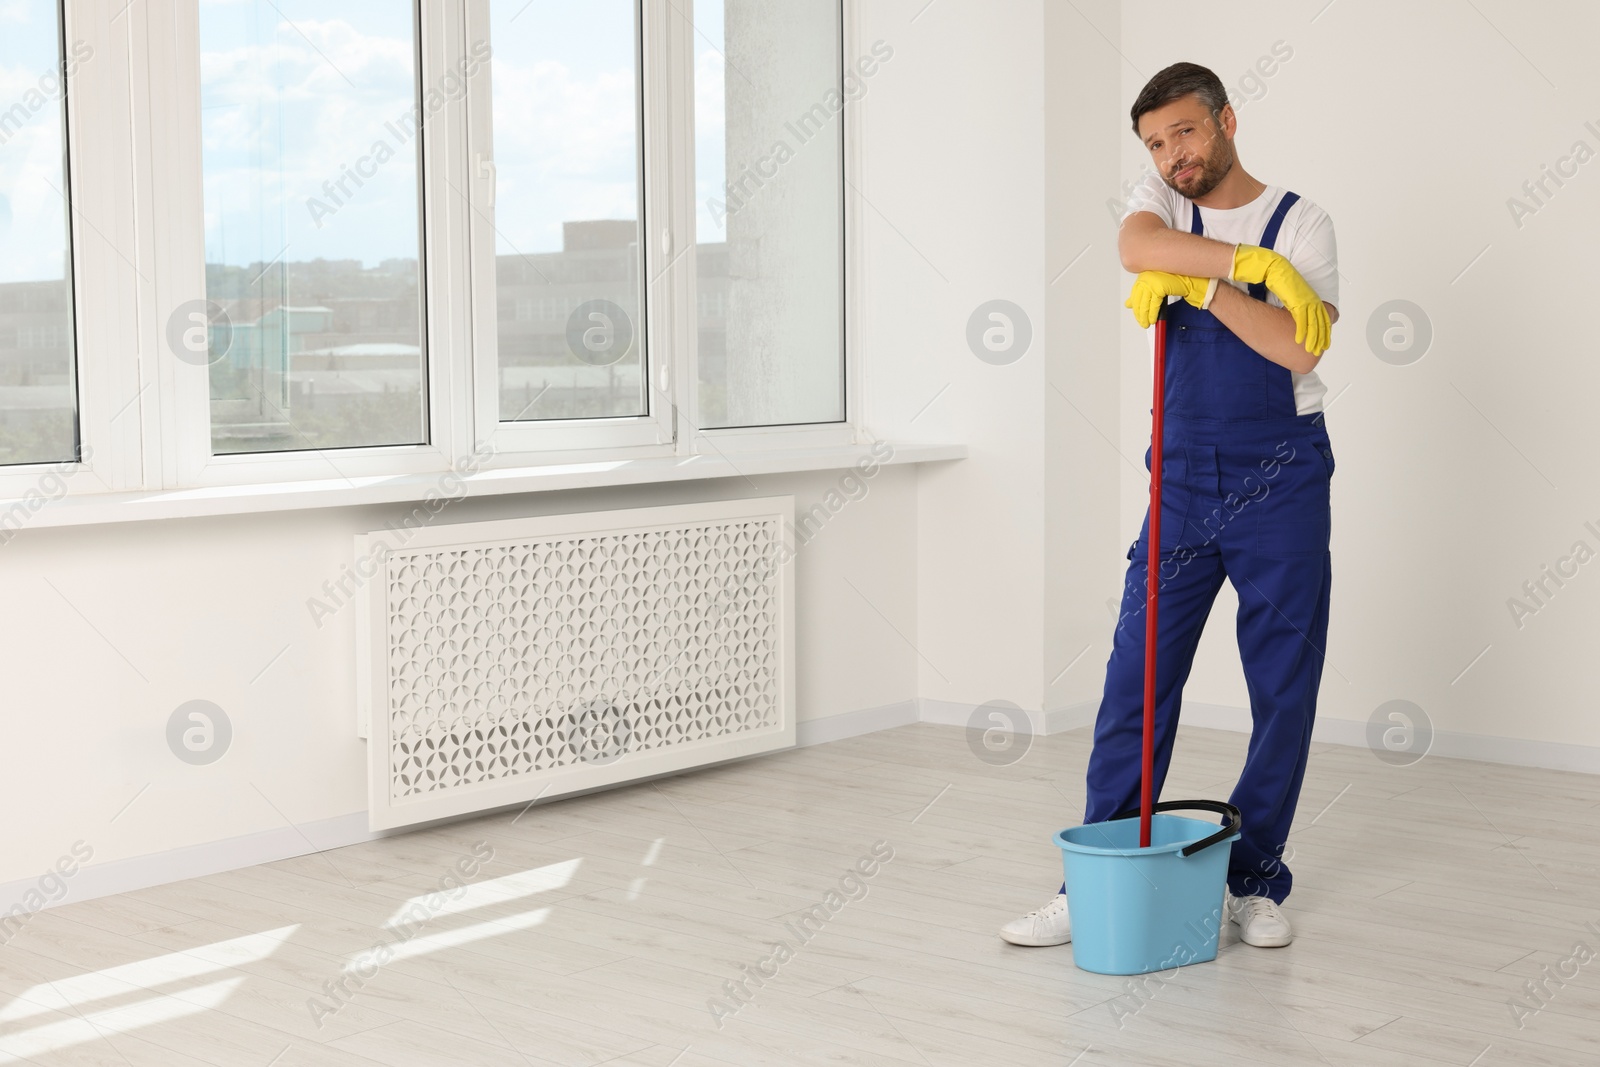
1177,82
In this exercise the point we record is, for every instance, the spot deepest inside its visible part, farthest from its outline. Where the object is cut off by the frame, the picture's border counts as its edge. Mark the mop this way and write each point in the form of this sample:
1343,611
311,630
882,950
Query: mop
1158,409
1151,902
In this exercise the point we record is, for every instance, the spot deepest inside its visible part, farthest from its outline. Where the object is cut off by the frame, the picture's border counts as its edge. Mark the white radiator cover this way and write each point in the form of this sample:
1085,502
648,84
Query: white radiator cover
504,661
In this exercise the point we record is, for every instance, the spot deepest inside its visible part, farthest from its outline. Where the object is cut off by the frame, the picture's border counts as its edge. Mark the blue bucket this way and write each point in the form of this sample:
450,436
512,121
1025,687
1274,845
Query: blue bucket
1136,910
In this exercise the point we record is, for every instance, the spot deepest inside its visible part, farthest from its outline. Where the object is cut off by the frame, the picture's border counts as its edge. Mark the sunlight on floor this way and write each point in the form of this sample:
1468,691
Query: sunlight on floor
141,977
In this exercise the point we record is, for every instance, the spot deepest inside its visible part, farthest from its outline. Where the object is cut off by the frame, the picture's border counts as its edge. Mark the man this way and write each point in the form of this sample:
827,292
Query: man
1245,479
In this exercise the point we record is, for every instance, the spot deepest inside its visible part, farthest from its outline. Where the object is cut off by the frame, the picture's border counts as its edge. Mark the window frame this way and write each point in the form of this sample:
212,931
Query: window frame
653,432
133,148
847,430
178,180
105,383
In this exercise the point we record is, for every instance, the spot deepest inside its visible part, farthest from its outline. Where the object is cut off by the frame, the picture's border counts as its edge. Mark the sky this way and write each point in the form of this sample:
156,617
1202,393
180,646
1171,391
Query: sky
32,212
286,103
295,91
290,100
710,130
565,117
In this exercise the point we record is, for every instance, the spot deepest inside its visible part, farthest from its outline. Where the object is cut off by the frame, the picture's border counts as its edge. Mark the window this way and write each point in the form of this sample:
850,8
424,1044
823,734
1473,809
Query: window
769,211
567,205
313,321
266,242
38,387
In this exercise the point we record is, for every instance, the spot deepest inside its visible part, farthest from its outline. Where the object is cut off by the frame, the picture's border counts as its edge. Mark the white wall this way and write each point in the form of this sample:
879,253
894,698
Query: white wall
990,154
1444,502
1085,541
108,629
1460,475
954,194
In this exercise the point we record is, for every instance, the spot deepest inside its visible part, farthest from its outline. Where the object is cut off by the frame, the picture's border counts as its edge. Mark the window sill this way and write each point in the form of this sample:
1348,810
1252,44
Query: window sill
90,509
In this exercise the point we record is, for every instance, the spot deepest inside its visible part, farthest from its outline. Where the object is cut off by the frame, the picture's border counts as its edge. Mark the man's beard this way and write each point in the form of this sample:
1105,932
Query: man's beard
1212,171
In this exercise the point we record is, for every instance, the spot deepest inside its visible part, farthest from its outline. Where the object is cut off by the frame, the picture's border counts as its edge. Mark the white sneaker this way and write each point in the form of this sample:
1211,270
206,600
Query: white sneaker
1260,922
1048,925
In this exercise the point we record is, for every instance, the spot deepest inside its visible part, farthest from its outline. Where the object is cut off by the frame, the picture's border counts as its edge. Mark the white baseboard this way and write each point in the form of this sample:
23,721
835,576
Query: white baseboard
1451,744
1223,717
1050,721
854,723
1071,717
191,861
214,857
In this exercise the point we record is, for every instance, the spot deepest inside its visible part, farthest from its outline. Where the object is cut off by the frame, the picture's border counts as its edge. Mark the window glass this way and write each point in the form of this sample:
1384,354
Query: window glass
769,193
568,260
313,326
38,390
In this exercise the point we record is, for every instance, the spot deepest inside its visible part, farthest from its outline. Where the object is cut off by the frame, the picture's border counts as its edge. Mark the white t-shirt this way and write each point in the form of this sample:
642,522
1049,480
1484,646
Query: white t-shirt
1305,239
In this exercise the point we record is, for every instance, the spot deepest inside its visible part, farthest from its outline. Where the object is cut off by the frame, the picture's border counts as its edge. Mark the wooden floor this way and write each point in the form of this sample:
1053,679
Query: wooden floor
604,928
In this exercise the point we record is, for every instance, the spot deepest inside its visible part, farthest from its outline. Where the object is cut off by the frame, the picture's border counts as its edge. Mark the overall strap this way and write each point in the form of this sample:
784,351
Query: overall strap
1269,236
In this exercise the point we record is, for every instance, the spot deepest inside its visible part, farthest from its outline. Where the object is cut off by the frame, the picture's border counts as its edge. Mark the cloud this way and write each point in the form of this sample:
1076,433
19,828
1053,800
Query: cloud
566,148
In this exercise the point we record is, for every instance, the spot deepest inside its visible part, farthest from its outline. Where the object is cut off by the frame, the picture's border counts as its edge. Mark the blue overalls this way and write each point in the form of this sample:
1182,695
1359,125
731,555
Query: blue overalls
1244,496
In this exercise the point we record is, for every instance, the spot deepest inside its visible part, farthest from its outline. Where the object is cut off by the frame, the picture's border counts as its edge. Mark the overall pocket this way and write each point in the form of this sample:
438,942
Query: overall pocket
1293,516
1176,501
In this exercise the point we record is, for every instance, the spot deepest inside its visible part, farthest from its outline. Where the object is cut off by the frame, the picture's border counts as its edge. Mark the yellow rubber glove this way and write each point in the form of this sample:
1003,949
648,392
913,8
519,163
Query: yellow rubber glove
1152,287
1252,263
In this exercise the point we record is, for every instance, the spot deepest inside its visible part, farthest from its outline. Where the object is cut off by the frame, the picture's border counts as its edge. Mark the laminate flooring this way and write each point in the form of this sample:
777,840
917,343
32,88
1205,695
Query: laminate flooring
661,924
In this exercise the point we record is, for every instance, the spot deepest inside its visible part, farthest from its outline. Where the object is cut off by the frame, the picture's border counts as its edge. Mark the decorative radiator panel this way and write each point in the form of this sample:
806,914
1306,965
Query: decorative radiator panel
509,660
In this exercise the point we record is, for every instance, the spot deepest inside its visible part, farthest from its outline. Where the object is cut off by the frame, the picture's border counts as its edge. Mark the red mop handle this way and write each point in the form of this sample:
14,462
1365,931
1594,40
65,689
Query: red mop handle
1153,558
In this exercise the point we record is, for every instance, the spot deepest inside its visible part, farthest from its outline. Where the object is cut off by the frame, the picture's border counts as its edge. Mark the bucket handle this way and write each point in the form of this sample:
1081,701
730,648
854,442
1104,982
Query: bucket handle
1229,829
